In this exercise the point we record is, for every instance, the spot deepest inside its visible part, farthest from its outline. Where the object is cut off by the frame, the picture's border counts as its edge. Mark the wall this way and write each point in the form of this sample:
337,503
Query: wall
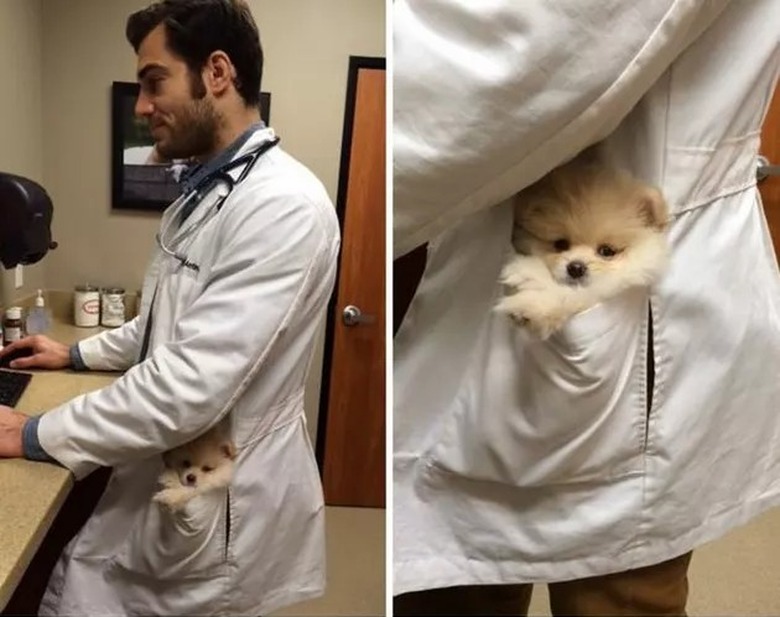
21,138
307,44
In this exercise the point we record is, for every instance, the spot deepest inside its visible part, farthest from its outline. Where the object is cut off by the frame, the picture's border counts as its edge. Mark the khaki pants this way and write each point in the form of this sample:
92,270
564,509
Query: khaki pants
661,589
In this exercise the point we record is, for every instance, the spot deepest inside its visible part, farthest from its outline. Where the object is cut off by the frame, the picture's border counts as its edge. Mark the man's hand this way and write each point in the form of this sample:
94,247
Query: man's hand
46,353
11,423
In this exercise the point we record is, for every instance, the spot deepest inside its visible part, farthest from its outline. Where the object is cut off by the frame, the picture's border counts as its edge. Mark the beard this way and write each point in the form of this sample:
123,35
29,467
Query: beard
195,132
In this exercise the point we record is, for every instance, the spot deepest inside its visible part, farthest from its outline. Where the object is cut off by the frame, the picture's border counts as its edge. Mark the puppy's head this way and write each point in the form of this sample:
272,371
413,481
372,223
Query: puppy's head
584,220
196,460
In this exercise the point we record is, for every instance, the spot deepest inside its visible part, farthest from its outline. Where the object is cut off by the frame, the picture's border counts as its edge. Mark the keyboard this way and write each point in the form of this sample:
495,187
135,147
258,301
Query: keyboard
12,386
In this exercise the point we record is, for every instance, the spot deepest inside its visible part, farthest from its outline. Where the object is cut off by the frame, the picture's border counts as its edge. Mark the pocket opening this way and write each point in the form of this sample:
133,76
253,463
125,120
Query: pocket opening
650,371
228,516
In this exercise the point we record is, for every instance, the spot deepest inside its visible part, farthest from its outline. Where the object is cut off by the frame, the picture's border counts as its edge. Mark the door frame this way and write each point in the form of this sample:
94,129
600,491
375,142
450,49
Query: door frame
355,64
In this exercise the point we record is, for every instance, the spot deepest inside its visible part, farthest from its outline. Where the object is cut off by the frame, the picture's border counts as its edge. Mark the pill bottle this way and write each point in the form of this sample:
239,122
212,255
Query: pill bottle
13,326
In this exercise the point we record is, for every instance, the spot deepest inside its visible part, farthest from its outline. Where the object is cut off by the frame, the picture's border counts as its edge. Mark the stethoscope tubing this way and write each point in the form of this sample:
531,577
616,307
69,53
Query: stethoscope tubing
205,186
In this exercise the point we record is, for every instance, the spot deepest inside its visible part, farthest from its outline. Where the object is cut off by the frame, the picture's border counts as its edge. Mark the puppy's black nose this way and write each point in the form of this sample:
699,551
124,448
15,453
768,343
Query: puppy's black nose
191,479
576,269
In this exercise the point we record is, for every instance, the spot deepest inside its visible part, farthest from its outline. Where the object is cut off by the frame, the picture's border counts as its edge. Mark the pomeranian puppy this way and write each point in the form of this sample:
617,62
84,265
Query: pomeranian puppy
582,234
204,464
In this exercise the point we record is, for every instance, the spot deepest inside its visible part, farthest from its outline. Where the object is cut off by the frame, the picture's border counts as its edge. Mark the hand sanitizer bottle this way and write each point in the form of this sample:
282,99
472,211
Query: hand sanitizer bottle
38,319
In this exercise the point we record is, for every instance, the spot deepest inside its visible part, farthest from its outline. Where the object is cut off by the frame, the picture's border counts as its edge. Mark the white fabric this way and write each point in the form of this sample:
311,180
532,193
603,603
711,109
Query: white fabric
524,461
230,343
489,97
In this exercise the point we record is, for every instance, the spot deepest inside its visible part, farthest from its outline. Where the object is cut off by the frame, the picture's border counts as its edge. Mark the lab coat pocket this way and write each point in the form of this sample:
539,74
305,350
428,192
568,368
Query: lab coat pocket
188,543
567,409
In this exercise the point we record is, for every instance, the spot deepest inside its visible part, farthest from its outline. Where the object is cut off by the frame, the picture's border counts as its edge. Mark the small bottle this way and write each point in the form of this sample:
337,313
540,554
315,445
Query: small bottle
86,306
13,326
38,319
112,307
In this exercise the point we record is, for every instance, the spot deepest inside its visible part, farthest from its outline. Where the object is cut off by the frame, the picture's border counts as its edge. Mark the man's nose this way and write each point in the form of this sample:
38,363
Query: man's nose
576,269
143,106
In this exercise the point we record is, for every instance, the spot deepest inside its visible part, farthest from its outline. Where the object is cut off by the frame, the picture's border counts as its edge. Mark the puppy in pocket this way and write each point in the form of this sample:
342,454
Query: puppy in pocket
584,233
202,465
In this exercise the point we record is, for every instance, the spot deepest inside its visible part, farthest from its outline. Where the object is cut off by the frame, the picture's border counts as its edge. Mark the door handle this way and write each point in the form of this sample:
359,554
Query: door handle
766,169
352,316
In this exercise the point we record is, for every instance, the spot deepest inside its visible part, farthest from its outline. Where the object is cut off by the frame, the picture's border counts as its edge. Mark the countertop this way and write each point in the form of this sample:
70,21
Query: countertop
33,493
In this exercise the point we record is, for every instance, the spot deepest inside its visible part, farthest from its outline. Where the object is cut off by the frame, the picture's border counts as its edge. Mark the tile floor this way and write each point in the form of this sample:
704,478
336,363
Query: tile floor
356,565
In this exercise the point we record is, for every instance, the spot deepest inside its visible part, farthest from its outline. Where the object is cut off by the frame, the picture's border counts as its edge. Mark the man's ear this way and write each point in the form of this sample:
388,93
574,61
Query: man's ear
219,73
653,208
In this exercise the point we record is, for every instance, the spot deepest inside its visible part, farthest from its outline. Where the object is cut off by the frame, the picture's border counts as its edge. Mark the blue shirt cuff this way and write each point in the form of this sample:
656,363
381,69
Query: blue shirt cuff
76,359
31,446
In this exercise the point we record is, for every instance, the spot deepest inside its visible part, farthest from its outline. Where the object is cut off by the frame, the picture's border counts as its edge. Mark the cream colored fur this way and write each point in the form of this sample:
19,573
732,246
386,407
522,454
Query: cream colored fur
582,206
202,465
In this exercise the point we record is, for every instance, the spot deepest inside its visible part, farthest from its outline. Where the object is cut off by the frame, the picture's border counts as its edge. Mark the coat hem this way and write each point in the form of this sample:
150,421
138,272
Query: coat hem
447,570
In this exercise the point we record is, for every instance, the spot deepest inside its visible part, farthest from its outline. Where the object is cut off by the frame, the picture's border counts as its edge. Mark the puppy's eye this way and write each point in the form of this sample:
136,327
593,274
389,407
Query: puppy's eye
207,468
562,244
605,250
185,464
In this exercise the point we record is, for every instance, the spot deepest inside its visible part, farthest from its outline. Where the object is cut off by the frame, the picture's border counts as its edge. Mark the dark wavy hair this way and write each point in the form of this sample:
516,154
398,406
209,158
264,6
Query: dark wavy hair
194,29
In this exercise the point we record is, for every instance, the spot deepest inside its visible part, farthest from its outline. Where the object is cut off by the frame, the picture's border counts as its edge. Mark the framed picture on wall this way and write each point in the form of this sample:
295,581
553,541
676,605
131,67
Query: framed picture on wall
138,181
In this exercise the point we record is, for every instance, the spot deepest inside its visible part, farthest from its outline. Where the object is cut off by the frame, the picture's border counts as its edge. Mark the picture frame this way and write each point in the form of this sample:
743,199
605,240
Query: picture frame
137,184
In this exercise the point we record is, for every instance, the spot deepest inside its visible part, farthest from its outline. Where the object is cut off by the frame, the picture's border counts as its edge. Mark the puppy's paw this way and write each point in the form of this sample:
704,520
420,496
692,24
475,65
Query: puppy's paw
521,273
520,320
539,311
169,479
544,327
174,498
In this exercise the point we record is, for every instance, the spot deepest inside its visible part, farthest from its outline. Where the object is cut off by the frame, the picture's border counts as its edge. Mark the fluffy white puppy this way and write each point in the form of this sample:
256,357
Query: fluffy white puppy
204,464
582,234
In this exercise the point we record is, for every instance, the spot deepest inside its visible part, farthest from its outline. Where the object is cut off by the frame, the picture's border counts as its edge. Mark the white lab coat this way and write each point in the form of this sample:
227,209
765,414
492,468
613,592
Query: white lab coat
229,343
524,461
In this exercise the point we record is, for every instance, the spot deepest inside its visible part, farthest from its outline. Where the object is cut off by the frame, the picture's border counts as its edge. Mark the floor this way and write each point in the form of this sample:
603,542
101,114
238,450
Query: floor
736,575
356,565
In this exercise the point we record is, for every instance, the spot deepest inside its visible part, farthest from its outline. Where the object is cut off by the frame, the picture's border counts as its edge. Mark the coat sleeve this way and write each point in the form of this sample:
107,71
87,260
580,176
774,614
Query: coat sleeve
267,258
489,99
113,350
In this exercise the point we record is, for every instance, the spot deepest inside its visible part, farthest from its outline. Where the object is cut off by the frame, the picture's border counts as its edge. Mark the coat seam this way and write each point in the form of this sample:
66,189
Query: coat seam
283,325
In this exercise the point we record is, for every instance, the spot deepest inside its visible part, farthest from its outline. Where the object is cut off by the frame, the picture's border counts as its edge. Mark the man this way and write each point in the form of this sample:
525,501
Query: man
232,302
598,460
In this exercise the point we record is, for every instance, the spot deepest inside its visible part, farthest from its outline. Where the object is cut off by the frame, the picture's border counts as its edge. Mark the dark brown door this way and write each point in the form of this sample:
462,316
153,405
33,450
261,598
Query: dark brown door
351,439
770,186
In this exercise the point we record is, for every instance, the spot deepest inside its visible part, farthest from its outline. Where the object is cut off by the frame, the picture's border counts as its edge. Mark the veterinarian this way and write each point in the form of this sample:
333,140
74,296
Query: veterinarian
599,460
231,304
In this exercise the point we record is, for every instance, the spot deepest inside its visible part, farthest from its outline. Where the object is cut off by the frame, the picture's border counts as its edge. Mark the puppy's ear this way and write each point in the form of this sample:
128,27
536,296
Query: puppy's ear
168,459
228,449
653,208
527,207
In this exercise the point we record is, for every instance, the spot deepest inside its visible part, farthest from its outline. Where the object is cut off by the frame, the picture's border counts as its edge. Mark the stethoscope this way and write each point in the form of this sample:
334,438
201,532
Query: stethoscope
218,176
